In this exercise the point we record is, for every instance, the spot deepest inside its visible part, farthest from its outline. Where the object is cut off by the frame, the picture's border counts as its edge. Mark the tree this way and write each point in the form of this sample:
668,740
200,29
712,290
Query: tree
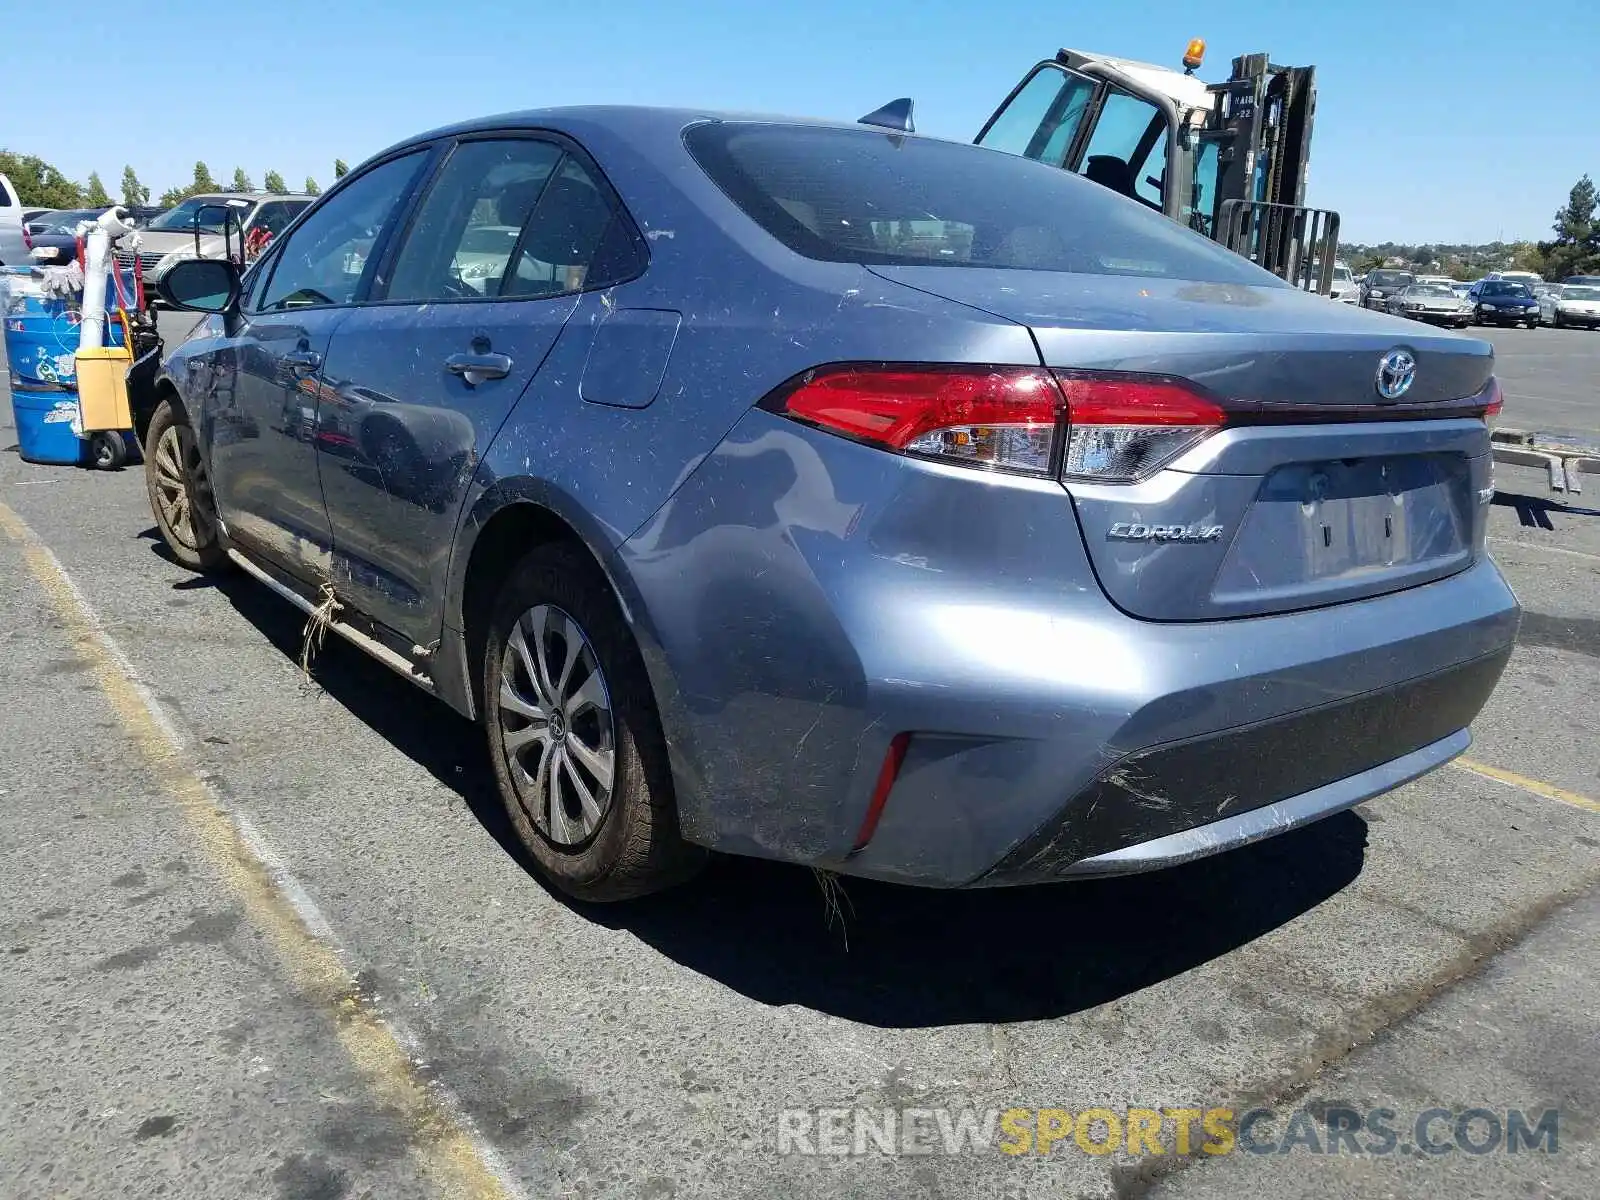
241,181
133,192
95,195
340,170
311,187
1576,248
173,195
273,182
38,184
202,180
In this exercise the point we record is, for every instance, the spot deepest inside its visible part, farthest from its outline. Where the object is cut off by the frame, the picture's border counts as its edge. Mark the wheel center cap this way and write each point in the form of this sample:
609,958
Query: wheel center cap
558,726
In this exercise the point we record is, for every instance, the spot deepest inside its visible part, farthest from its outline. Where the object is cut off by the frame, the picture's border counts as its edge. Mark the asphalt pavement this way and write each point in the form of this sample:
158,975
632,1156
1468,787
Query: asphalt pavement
266,935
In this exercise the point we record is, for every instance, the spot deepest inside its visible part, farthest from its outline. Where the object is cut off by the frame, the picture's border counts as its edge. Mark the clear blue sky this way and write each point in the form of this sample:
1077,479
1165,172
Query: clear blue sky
1408,145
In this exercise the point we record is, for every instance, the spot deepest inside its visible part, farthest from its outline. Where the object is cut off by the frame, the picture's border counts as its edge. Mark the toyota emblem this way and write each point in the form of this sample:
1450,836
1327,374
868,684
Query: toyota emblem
1396,371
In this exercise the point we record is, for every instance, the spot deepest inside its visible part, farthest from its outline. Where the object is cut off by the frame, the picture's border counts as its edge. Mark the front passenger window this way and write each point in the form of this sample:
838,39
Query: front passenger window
324,260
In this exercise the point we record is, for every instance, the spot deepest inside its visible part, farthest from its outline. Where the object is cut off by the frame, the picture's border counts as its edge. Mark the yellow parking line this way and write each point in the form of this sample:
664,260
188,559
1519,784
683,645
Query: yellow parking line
461,1165
1534,786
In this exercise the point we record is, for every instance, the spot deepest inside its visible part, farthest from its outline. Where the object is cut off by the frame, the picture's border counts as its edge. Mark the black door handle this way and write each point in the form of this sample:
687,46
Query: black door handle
475,368
302,360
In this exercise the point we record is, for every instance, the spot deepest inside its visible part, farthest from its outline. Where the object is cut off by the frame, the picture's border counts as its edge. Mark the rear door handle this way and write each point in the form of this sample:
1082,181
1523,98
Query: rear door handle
475,368
302,360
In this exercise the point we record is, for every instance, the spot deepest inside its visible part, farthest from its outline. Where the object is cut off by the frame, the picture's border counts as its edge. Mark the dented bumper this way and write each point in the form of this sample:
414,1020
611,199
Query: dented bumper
803,601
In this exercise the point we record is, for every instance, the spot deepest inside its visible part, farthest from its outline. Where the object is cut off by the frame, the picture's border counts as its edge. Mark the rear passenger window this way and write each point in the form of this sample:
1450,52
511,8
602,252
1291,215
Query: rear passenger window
515,217
467,228
576,239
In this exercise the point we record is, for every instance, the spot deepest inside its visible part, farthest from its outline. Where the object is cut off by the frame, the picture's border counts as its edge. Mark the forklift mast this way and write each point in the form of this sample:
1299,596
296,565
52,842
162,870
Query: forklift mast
1262,124
1229,159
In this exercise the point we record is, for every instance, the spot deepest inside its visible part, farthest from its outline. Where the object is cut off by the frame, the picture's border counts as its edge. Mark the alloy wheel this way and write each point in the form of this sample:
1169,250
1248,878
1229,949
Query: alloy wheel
183,489
556,725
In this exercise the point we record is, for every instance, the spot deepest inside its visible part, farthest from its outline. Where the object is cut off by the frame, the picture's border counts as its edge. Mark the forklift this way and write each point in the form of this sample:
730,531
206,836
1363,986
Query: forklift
1226,159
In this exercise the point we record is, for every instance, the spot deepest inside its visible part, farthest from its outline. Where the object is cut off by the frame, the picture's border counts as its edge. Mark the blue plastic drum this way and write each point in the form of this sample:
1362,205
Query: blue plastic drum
41,339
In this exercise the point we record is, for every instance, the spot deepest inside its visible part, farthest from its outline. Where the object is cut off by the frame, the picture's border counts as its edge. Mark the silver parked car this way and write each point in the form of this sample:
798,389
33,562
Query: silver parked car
250,218
1571,304
844,496
1436,303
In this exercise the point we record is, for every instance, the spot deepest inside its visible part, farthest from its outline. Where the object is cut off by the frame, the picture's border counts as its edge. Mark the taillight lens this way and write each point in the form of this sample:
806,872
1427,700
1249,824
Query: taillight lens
1108,428
1124,428
1495,398
27,238
1003,418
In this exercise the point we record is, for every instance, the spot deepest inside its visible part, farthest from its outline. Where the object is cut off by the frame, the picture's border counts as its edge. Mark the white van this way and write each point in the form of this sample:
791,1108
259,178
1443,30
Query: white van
13,250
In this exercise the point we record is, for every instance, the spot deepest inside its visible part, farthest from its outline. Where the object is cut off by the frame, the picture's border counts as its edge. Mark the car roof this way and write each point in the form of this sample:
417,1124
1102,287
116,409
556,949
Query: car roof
249,196
626,120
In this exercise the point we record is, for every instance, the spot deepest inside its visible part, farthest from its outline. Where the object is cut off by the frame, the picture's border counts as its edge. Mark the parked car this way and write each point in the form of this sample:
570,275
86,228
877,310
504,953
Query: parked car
1431,302
58,231
1574,304
1586,280
1382,284
13,249
1345,288
787,491
170,237
1461,288
1503,302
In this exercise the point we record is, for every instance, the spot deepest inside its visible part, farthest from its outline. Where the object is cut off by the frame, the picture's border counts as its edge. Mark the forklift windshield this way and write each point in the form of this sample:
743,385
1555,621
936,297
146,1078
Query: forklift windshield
1119,140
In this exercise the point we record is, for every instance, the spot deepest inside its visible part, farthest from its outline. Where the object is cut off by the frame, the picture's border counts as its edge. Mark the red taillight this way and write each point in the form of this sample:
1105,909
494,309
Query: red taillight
1495,398
1003,417
1122,428
27,238
1115,428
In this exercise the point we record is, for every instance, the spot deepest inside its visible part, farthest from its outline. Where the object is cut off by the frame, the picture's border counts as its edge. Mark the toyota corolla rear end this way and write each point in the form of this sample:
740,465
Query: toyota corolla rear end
1211,566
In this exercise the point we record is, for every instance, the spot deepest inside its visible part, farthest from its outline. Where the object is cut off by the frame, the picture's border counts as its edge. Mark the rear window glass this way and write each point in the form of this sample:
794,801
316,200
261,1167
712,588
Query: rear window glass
860,196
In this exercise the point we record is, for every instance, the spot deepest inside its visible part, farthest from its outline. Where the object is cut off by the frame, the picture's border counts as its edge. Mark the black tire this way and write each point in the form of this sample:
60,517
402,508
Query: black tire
635,847
107,451
189,528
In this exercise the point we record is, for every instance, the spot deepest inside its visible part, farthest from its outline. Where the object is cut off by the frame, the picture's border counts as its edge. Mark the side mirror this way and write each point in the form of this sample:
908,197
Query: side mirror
209,285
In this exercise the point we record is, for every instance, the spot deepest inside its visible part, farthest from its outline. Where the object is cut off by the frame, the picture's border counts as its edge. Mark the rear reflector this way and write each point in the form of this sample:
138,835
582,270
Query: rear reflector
887,774
1123,428
1004,418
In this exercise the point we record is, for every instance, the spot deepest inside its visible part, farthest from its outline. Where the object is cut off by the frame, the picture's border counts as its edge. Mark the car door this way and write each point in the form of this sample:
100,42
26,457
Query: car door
259,426
418,382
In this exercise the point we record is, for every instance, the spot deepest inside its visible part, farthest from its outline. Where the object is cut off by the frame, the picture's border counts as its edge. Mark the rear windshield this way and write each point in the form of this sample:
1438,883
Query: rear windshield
861,196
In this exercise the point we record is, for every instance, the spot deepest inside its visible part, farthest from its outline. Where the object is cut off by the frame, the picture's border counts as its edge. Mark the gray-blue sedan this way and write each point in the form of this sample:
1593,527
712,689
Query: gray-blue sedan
843,496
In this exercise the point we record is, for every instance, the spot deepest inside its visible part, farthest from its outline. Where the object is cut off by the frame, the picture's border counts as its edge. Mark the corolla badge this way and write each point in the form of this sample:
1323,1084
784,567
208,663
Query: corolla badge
1138,531
1396,372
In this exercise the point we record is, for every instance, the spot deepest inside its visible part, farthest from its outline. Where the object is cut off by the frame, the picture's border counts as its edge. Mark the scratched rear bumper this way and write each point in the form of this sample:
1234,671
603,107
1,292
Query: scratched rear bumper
1204,795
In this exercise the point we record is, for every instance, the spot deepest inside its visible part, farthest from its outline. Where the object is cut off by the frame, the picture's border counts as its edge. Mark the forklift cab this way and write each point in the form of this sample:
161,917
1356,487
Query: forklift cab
1097,117
1227,160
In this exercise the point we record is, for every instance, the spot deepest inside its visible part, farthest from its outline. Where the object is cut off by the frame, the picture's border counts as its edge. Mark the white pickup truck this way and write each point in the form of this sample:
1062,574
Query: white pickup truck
13,250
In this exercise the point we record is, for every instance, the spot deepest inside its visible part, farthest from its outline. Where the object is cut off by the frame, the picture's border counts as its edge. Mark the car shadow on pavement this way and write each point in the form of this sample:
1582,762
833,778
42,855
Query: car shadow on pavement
889,955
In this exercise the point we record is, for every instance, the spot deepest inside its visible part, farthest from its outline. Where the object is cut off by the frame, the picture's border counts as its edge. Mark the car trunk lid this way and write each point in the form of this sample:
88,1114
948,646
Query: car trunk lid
1318,489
